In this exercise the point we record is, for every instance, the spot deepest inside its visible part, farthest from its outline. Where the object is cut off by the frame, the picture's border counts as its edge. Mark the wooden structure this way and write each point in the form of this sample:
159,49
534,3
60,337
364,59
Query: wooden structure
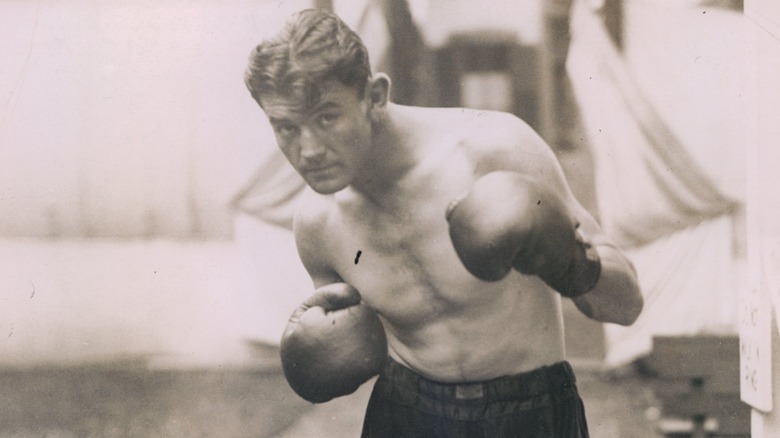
697,383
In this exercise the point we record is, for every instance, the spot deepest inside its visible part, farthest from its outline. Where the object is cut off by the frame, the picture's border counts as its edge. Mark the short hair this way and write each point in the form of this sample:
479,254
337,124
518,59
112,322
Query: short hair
314,46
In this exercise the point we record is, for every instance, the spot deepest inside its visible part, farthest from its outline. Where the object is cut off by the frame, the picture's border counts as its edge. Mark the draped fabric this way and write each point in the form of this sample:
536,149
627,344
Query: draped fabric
654,200
648,185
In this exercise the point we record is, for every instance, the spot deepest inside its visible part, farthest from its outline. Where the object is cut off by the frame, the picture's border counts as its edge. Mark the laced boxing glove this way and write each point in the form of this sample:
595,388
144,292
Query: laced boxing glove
333,343
507,221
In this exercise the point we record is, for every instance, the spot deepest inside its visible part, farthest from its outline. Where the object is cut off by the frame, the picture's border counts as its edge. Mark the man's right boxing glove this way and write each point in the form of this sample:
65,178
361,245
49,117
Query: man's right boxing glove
508,221
333,343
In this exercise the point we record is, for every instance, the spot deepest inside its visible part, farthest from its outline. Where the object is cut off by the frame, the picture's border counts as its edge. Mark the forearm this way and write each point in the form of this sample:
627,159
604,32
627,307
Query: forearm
616,297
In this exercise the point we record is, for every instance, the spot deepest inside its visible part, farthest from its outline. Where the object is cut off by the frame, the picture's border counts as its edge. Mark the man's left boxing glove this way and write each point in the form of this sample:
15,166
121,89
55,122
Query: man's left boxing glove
507,221
333,343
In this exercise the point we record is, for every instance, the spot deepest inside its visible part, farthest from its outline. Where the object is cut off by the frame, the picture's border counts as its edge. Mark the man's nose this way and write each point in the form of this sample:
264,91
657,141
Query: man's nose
311,149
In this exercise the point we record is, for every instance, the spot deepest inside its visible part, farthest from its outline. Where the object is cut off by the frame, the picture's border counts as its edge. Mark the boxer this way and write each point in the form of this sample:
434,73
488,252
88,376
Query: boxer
455,226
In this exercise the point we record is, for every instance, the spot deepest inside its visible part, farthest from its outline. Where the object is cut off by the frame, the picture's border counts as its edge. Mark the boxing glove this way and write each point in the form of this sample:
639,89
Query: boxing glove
507,221
333,343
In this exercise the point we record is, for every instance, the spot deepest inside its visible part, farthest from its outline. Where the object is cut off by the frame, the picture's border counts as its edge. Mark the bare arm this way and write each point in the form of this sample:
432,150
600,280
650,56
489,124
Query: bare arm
616,297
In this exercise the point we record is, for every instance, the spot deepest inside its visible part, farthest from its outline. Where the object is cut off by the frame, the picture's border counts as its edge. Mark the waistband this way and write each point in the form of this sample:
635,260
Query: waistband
404,385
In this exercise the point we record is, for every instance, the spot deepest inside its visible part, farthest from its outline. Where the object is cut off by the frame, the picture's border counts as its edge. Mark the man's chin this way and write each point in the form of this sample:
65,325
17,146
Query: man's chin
326,187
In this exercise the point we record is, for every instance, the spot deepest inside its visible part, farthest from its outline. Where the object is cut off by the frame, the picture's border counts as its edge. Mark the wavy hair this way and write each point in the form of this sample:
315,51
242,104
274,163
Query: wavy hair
314,46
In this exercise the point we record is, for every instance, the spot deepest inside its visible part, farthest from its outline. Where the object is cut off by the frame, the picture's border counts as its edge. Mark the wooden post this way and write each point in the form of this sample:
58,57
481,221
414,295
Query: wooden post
761,355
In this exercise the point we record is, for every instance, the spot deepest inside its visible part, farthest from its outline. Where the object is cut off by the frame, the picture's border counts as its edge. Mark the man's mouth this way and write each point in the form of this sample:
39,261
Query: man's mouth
318,172
317,169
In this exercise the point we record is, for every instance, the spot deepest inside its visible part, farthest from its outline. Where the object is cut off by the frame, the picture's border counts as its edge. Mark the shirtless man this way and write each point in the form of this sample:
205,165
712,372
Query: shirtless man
473,350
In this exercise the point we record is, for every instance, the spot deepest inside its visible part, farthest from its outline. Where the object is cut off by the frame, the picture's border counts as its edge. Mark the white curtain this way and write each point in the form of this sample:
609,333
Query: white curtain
654,199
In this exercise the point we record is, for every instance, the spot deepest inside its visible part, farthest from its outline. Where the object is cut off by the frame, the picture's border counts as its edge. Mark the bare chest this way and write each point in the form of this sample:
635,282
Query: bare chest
401,259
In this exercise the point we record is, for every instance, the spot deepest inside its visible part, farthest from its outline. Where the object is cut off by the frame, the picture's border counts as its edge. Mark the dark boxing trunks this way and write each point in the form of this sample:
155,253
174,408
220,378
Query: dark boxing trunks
540,403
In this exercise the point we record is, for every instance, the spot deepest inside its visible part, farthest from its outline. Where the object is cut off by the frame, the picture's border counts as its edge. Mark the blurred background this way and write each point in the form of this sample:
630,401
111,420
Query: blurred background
147,266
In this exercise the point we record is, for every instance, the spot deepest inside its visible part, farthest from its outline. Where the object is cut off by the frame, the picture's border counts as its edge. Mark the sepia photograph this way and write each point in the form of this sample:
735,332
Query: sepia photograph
389,219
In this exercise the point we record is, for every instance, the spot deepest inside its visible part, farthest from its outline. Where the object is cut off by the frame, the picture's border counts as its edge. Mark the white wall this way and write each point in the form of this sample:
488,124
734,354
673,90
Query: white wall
128,118
168,303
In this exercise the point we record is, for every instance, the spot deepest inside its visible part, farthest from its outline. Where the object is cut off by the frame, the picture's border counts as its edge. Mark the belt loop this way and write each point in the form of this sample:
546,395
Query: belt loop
563,375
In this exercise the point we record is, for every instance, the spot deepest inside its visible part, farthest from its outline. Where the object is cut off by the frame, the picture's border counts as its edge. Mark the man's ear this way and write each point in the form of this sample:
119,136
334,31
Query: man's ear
379,90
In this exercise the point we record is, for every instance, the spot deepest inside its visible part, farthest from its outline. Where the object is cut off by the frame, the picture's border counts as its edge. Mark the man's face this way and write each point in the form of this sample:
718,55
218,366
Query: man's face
326,143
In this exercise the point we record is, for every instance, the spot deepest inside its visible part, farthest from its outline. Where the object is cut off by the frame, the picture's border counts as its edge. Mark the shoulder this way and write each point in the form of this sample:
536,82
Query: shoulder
496,141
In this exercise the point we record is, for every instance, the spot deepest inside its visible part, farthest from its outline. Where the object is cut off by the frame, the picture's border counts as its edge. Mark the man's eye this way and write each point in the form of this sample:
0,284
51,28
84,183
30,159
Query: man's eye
327,119
285,130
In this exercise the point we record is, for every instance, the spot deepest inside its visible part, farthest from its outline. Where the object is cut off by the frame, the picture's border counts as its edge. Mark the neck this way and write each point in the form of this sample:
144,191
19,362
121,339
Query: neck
394,156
